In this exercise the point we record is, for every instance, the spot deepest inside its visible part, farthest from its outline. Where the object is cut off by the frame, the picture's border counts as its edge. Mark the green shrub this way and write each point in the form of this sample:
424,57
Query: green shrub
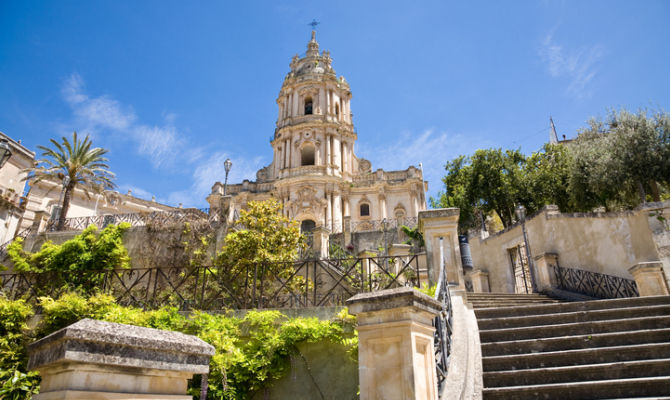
251,352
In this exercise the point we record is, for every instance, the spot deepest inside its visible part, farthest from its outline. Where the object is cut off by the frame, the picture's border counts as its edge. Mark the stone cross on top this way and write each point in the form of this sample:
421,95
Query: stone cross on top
313,24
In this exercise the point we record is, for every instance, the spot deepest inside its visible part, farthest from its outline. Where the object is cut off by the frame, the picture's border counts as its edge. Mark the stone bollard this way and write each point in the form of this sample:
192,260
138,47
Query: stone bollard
396,359
649,278
480,281
96,360
544,265
442,223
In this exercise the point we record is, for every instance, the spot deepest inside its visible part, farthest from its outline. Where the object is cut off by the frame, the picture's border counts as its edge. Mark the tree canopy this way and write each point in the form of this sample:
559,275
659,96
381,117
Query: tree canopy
616,164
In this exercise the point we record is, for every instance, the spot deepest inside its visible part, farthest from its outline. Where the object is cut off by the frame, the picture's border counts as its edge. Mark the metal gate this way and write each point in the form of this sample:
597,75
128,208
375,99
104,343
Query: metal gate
520,269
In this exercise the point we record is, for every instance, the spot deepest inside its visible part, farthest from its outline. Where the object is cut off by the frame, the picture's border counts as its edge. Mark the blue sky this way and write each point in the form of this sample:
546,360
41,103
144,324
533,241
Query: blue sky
173,88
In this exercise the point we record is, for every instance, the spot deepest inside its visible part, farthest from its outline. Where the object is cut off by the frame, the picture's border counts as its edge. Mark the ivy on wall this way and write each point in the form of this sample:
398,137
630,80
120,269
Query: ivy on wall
251,352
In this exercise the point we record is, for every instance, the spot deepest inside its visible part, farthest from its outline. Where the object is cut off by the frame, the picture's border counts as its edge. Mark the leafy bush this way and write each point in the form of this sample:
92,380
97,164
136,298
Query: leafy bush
88,251
15,383
251,352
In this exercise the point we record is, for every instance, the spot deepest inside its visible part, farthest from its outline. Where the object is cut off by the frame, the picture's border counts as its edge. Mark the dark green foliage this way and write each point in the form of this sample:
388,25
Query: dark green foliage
616,164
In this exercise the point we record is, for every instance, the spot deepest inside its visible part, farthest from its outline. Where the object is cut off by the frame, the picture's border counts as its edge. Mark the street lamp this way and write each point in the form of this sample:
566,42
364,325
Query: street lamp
227,165
520,211
5,152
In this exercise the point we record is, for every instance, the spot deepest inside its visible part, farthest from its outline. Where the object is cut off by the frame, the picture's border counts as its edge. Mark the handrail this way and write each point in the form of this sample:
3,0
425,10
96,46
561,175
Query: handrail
443,325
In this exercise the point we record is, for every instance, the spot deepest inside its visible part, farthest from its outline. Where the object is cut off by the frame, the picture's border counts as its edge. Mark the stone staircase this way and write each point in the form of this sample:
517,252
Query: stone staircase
495,300
602,349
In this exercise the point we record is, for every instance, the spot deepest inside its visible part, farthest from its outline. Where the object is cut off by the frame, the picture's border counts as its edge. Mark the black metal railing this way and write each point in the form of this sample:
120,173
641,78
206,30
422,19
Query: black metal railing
137,219
443,330
23,234
308,283
594,284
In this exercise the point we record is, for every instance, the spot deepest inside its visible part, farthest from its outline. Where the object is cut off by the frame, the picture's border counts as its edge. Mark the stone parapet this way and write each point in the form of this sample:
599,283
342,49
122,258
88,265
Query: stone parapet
649,278
395,352
102,360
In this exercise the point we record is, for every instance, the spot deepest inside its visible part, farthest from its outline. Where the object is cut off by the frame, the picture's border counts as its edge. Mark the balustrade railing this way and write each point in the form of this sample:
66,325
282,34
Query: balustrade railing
307,283
594,284
137,219
443,331
383,224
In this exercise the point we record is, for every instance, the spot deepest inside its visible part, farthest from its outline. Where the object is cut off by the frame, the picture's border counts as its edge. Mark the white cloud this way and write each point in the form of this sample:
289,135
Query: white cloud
95,113
432,149
578,67
211,170
160,144
135,191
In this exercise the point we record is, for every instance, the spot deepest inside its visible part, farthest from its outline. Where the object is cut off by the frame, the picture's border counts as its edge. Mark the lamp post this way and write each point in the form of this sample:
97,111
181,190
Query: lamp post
5,152
227,165
520,211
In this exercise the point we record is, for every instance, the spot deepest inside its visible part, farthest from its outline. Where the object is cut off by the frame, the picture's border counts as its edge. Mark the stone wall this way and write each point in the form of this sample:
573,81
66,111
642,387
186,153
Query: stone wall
320,370
607,243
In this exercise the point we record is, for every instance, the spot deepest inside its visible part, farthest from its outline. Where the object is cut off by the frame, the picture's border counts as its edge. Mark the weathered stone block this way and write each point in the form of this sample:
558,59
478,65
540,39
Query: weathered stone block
102,360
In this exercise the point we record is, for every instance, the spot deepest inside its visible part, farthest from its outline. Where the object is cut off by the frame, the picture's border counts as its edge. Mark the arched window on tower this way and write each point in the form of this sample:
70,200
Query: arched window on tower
308,105
307,155
365,210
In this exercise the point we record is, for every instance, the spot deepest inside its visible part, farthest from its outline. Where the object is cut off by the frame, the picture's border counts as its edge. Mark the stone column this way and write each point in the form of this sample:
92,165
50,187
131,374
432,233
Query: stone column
480,281
544,266
329,210
336,152
347,228
321,236
328,152
649,278
442,222
103,361
395,344
337,212
39,221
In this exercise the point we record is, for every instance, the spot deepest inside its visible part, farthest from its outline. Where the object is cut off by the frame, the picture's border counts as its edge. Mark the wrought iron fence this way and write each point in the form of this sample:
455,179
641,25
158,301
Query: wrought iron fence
443,331
23,234
594,284
308,283
137,219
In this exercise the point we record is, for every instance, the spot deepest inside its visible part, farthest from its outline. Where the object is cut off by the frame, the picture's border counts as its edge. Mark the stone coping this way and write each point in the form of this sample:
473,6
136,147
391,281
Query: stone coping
439,212
393,298
108,343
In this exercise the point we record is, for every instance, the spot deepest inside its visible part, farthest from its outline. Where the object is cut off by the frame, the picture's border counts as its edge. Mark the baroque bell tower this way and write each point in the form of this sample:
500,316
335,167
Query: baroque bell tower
314,172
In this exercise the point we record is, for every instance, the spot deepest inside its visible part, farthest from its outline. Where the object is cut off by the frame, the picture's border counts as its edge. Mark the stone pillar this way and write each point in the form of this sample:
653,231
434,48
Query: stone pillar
329,210
544,266
347,228
649,278
328,152
337,212
442,222
658,218
480,281
40,220
395,344
321,242
103,361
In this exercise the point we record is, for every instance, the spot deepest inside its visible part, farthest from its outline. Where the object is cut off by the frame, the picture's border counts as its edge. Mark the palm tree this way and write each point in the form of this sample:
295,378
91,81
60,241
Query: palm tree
76,164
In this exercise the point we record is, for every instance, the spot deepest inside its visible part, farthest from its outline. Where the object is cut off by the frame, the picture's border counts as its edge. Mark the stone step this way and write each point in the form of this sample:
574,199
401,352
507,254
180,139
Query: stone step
576,342
571,317
479,305
576,357
475,295
590,372
564,307
577,328
609,389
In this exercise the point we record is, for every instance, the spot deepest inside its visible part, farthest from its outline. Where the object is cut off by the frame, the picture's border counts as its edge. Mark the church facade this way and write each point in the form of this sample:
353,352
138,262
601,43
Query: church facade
314,173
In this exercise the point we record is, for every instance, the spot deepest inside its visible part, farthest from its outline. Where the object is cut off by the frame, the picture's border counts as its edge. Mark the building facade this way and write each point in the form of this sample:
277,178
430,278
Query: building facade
314,172
12,184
